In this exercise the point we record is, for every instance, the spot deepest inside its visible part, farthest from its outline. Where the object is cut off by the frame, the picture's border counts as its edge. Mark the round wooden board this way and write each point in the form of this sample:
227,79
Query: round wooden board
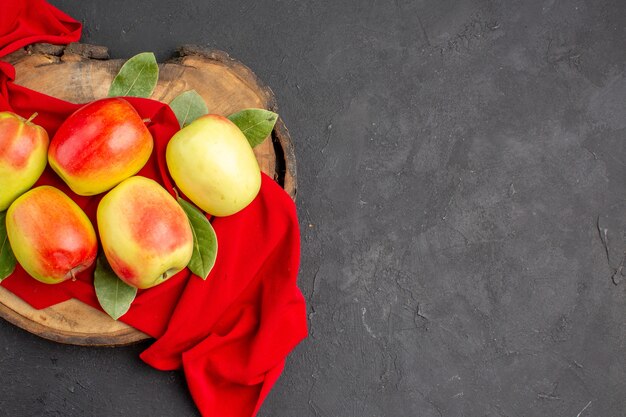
81,73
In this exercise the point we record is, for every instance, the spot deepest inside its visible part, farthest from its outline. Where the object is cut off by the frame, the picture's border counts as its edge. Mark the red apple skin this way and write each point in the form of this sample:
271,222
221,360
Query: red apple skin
51,237
145,233
23,150
100,145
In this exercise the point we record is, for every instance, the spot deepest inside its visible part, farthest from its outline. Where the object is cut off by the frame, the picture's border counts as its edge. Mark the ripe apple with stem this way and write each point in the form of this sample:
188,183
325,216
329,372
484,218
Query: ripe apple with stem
23,155
145,233
51,237
100,145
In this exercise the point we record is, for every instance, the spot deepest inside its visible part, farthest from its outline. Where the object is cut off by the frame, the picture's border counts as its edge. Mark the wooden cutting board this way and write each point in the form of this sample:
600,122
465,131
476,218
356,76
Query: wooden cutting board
81,73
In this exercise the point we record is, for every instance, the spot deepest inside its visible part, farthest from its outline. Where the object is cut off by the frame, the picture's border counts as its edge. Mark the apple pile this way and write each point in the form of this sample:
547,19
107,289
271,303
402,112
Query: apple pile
144,233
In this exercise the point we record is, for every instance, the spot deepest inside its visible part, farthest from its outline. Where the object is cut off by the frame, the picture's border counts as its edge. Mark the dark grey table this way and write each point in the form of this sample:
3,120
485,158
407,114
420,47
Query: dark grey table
453,158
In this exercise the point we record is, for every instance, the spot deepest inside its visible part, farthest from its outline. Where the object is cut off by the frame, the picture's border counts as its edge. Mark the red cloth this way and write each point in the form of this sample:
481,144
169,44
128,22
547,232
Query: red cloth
23,22
230,333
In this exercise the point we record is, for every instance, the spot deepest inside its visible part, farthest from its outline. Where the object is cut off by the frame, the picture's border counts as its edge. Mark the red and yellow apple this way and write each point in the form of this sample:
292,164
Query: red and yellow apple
212,162
100,145
51,237
23,156
145,234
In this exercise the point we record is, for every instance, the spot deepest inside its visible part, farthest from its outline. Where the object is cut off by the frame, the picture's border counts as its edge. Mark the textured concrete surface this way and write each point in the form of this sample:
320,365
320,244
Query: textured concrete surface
459,162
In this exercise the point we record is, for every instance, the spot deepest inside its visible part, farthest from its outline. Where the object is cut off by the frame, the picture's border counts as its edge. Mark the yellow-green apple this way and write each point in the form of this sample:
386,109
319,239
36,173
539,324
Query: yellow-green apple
100,145
145,234
23,156
51,237
212,162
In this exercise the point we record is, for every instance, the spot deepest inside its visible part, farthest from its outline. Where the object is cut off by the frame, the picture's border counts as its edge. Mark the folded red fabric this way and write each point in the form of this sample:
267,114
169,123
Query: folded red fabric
230,333
24,22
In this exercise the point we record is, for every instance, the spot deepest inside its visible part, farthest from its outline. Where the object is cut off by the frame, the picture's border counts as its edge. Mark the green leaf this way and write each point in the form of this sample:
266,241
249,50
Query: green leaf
256,124
188,106
137,77
204,241
114,295
7,259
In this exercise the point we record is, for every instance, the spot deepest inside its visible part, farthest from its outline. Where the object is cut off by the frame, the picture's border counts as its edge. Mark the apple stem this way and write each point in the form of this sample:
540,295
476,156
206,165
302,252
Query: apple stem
32,116
72,274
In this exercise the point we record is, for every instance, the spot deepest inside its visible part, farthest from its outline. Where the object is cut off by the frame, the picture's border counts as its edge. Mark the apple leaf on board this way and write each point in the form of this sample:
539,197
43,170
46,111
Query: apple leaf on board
137,77
188,106
204,241
7,259
114,295
256,124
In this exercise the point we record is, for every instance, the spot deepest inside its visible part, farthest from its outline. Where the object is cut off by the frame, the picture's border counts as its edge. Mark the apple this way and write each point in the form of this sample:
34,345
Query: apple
51,237
212,162
100,145
145,233
23,156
